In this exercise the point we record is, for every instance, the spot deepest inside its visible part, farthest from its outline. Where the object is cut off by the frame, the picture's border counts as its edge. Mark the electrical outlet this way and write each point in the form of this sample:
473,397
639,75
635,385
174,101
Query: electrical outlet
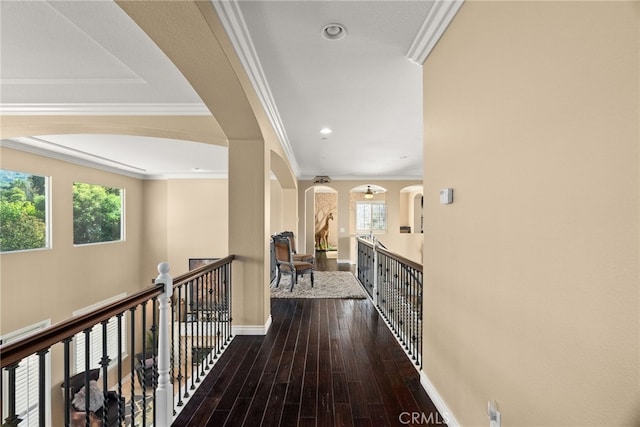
495,417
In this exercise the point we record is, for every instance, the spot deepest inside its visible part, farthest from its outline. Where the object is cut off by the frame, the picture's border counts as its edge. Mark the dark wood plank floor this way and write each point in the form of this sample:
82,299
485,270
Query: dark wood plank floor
324,362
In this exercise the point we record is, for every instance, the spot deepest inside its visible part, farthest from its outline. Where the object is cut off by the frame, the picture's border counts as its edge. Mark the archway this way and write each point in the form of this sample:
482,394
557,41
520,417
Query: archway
411,209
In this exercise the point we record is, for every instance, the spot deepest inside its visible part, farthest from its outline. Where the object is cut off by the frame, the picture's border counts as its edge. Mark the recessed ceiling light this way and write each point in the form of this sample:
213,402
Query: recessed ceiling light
325,131
334,31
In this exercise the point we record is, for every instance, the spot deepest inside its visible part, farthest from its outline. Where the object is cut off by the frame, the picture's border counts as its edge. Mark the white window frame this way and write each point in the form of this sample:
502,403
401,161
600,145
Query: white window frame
96,338
370,204
122,218
32,372
48,234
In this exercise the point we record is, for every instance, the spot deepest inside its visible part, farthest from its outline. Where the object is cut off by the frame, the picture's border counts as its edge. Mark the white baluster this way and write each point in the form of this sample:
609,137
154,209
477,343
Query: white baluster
164,392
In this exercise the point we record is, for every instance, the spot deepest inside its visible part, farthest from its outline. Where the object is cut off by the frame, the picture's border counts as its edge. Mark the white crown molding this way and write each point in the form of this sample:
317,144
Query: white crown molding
100,163
188,175
69,158
236,28
438,19
367,178
137,109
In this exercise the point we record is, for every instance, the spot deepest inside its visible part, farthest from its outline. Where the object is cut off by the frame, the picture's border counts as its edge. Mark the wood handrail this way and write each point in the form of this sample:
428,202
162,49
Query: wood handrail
14,352
392,255
401,259
366,242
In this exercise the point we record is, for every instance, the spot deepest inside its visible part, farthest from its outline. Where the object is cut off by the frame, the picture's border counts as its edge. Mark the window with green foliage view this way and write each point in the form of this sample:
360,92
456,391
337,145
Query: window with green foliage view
97,213
23,211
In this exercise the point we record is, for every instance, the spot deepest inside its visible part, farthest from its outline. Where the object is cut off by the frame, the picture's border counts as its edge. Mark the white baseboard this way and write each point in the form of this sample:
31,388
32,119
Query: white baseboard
437,400
252,329
345,261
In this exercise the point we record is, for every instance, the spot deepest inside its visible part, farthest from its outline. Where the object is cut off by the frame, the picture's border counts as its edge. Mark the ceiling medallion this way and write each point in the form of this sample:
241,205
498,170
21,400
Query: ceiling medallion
334,31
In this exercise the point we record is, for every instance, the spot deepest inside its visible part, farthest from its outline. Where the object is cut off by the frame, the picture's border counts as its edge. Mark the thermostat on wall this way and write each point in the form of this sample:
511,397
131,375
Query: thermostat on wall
446,196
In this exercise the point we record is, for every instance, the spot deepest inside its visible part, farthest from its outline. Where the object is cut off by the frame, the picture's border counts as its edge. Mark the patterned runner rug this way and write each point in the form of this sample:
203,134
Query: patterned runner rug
137,422
326,284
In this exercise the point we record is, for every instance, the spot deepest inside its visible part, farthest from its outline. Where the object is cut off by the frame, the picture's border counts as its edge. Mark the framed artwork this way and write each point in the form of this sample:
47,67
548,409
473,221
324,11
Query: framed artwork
199,262
204,302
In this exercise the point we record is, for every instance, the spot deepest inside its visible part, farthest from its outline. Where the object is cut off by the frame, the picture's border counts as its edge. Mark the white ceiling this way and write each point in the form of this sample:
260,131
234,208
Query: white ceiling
89,57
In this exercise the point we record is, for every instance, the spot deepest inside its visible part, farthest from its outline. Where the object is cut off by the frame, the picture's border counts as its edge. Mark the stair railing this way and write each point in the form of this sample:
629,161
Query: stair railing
179,345
394,284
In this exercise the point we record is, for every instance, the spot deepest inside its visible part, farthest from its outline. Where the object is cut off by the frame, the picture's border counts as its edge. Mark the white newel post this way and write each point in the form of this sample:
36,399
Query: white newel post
164,392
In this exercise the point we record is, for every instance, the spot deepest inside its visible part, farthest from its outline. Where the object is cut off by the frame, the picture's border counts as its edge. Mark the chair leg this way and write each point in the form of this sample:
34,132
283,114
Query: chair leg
311,278
278,276
294,280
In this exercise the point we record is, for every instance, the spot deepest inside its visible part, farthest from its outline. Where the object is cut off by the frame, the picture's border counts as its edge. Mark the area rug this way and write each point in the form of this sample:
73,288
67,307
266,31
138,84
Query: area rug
326,284
138,412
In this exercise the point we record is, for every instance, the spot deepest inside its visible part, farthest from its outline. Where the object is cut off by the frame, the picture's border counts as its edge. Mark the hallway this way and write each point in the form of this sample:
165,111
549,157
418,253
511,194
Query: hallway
324,362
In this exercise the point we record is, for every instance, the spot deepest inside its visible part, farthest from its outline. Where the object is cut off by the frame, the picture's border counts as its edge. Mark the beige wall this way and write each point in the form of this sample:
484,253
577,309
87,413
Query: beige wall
197,221
168,220
53,283
154,228
531,299
185,218
276,207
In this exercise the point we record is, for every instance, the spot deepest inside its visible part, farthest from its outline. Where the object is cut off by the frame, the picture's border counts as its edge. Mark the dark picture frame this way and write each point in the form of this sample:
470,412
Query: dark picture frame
199,262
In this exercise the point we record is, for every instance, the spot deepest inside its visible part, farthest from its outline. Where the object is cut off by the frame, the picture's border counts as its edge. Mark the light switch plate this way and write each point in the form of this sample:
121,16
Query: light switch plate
446,196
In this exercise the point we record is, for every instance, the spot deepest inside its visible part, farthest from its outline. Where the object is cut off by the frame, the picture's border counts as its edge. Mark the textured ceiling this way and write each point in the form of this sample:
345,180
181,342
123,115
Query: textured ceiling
89,57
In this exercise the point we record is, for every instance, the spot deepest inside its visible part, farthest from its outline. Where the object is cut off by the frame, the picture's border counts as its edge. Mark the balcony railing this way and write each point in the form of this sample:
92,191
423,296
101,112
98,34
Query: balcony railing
175,331
394,283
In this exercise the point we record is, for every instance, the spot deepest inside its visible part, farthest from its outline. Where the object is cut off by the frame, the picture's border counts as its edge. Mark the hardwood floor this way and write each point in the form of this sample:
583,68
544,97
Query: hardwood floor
324,362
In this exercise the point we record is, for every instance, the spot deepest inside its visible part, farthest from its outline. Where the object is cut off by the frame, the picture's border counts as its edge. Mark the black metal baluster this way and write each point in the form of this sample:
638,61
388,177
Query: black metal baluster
402,306
220,310
420,319
142,379
382,286
416,315
67,372
120,407
194,314
201,325
390,296
397,295
393,295
87,367
104,362
210,318
42,393
406,323
217,318
182,327
229,300
132,329
397,283
411,272
12,418
207,318
222,333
